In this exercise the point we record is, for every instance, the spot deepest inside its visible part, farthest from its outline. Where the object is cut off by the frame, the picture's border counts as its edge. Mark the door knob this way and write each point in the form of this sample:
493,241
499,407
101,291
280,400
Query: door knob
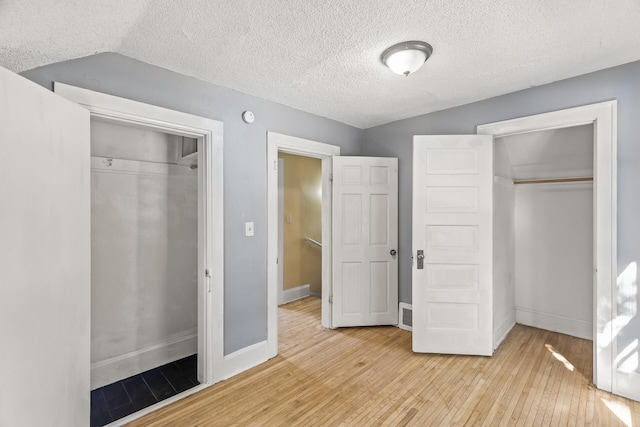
393,252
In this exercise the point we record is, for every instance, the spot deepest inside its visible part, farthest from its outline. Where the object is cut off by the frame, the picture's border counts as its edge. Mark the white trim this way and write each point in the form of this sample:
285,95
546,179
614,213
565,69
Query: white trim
401,307
604,118
123,366
288,144
210,205
138,114
280,231
503,330
326,288
294,294
245,359
553,322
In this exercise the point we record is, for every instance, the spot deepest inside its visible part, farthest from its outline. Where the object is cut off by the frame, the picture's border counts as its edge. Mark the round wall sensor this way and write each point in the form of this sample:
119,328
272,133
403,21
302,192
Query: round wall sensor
248,116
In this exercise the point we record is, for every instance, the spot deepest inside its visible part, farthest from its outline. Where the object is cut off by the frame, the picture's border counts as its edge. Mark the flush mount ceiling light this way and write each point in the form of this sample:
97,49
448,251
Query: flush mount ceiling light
407,57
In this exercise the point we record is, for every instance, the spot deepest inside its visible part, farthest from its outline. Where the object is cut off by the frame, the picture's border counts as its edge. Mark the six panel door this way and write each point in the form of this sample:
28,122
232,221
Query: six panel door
365,241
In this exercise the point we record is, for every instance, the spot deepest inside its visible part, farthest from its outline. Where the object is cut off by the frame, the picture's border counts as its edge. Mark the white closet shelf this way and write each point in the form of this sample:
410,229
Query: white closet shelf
135,167
553,181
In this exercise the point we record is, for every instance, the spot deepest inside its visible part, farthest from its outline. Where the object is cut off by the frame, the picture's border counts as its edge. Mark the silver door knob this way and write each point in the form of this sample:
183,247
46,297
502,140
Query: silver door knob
420,259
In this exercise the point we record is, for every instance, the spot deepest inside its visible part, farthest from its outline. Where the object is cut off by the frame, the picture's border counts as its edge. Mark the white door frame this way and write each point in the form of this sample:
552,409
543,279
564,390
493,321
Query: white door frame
603,117
302,147
280,231
210,216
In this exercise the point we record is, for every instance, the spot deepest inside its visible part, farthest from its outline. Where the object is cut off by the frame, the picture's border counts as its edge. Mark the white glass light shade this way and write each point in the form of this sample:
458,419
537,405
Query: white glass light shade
406,61
406,58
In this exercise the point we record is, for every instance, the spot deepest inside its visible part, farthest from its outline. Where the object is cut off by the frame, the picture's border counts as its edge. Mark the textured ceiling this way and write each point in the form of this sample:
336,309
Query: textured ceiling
323,57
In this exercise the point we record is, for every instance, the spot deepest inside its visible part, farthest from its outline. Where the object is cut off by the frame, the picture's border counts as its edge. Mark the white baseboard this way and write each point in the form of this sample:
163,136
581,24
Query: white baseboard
552,322
503,329
244,359
124,366
294,294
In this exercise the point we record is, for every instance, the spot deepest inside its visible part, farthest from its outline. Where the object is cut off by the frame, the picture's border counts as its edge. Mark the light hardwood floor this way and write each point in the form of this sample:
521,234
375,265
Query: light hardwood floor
369,376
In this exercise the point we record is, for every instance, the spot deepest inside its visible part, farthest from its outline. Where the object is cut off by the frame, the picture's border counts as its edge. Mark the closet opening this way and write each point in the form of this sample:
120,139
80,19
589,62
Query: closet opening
544,232
144,268
206,137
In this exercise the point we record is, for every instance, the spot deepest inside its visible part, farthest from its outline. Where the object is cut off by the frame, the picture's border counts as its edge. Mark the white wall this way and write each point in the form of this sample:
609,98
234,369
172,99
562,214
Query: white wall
144,256
552,153
131,143
503,245
554,257
543,249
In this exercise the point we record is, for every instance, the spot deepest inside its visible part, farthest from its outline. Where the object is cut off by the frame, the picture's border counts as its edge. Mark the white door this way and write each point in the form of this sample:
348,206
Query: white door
365,241
452,244
44,257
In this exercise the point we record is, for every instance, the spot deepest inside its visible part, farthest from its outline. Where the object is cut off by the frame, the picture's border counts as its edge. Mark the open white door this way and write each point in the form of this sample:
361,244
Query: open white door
44,257
452,244
365,241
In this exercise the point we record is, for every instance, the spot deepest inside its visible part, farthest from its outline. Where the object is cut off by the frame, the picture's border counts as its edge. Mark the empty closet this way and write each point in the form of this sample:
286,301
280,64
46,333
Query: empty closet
544,231
144,243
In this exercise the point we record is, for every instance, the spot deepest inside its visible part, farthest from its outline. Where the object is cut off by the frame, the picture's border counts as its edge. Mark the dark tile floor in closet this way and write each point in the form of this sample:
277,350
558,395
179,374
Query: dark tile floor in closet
117,400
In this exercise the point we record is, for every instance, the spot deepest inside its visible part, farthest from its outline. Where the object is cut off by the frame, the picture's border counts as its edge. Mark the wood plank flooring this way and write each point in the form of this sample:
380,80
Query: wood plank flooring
369,376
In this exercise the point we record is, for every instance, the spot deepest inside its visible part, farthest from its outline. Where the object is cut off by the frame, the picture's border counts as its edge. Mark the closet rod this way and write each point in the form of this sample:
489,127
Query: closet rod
551,181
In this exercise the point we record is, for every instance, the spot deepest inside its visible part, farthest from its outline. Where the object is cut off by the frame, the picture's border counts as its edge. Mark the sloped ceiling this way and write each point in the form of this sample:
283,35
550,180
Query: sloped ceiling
323,57
554,153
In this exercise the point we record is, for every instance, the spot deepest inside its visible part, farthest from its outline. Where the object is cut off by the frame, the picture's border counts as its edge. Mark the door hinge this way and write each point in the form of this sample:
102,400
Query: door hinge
275,165
277,261
331,177
208,276
330,298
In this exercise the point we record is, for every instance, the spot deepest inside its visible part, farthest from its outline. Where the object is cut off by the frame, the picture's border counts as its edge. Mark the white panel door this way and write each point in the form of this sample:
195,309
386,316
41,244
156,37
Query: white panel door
44,257
365,241
452,244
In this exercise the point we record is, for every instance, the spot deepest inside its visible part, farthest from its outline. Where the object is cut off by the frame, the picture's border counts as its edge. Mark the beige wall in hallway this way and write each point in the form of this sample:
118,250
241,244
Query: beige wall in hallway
303,205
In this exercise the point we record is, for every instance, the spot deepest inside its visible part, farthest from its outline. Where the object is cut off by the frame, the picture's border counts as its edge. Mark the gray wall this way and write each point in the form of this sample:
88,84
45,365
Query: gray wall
244,163
621,83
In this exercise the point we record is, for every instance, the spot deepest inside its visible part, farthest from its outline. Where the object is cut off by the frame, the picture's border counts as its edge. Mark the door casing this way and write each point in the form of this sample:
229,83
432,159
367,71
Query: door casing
302,147
603,117
210,214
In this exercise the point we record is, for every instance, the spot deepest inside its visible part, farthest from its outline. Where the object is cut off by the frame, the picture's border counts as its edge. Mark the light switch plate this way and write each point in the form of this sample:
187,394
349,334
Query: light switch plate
248,229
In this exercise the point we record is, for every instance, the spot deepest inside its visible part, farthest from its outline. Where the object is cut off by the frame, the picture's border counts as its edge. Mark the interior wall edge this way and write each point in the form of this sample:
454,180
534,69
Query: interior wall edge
503,329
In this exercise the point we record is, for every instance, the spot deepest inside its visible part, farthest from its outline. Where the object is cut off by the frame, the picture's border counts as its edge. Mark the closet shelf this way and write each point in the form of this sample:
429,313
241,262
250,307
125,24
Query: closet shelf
552,181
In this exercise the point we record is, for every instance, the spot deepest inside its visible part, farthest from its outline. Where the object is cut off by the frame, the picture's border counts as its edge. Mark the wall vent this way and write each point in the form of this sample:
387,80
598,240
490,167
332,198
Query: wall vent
405,320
